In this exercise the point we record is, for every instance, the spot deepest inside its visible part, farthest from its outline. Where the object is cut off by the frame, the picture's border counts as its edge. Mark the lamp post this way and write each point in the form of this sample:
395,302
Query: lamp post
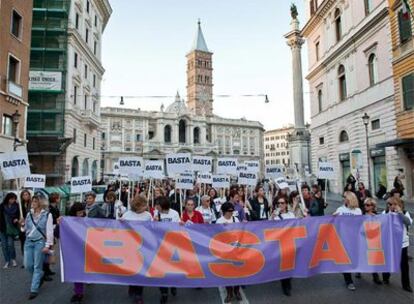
16,119
365,120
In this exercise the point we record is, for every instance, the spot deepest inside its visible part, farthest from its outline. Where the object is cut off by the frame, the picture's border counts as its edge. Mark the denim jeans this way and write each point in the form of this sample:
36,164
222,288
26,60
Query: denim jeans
7,246
33,261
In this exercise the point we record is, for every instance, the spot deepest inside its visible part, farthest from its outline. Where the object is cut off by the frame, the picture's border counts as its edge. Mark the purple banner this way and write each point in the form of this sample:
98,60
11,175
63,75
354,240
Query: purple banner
202,255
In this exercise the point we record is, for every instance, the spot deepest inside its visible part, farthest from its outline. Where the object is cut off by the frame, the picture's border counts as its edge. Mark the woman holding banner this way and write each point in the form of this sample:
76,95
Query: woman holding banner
9,220
282,213
39,240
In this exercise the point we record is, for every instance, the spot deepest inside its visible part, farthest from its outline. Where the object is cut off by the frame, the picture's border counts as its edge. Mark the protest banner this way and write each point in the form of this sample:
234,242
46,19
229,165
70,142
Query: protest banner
169,254
185,181
326,170
154,169
35,181
247,178
274,171
227,166
252,166
241,168
205,178
221,181
80,184
178,163
132,166
202,163
115,168
14,165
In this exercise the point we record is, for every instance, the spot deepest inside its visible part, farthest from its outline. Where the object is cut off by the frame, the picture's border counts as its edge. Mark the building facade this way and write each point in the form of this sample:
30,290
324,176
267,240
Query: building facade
350,74
65,84
15,35
402,29
276,146
182,126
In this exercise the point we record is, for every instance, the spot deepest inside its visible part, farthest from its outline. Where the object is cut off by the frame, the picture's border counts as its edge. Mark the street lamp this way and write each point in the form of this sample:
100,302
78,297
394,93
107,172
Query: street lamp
16,119
365,120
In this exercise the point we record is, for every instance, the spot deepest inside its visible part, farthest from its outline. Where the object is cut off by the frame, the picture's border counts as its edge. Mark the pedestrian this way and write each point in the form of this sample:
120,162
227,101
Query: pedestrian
113,208
370,206
362,195
92,209
398,185
238,208
349,187
260,205
396,205
166,214
350,207
109,188
39,241
228,217
283,192
26,202
54,200
138,212
282,213
312,205
321,202
209,216
77,210
294,205
190,215
351,180
124,195
9,228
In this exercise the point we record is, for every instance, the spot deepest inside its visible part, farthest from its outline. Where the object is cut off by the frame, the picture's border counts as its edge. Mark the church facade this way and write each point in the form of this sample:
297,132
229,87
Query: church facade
183,126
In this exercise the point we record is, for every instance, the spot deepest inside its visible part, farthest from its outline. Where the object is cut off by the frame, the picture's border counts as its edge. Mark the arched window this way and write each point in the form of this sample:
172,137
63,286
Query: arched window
181,131
320,101
196,135
167,134
85,167
94,170
343,136
342,83
368,6
75,167
372,69
338,24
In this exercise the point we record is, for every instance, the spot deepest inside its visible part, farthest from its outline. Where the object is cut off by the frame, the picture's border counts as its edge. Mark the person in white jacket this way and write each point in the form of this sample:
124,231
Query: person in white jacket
113,208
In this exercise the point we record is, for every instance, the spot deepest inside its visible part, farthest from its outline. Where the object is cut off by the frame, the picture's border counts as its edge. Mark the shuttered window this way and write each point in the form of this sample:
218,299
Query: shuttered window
404,25
408,91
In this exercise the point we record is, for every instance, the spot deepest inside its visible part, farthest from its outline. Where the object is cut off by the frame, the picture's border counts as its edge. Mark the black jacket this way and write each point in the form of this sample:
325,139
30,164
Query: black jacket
3,220
256,209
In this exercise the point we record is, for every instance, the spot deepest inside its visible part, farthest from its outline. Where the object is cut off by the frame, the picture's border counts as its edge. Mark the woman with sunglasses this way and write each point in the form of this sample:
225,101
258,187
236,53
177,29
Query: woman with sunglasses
282,212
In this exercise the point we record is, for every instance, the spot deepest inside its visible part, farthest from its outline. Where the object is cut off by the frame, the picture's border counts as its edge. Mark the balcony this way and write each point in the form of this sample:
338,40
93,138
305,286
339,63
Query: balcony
14,89
90,119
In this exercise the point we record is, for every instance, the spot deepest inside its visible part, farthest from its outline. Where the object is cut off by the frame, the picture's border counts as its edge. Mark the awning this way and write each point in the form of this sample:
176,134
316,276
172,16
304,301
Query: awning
404,142
50,190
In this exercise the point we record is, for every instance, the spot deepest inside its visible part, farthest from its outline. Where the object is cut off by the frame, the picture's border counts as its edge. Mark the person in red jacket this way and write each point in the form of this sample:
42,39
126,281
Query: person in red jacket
190,215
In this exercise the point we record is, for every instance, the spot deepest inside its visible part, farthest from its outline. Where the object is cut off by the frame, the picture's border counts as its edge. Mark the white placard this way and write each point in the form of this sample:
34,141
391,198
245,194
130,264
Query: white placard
241,168
227,166
247,178
131,166
37,181
221,181
178,163
202,163
14,164
45,81
326,171
273,172
252,166
115,168
185,181
154,169
80,184
205,178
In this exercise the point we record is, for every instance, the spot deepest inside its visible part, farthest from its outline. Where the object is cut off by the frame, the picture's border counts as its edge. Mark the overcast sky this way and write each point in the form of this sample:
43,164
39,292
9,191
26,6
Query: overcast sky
145,43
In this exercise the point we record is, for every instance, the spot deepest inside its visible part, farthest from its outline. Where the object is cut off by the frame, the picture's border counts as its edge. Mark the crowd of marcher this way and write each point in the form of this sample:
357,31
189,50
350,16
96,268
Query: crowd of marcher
38,227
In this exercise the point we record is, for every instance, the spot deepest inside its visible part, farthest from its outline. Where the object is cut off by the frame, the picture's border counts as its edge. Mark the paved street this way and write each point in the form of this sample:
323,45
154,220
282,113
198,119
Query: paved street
330,288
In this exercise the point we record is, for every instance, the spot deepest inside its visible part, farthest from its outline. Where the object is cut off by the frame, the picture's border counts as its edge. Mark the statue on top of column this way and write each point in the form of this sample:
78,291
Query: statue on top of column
293,11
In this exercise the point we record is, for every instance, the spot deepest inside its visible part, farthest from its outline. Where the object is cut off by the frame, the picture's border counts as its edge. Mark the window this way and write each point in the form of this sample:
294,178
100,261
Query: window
167,134
7,125
85,139
342,83
87,35
368,6
94,80
86,102
408,91
103,135
404,25
343,136
196,135
16,25
321,140
150,134
95,47
87,6
75,94
77,21
75,61
320,101
138,137
181,131
86,72
74,136
375,124
338,24
317,50
96,21
372,69
93,143
14,69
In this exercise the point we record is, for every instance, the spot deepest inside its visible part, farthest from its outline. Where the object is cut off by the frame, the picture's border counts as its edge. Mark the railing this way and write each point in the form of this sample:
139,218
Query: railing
14,89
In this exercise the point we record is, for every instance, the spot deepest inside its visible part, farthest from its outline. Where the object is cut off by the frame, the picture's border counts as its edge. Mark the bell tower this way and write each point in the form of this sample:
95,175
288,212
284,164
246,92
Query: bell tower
200,76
